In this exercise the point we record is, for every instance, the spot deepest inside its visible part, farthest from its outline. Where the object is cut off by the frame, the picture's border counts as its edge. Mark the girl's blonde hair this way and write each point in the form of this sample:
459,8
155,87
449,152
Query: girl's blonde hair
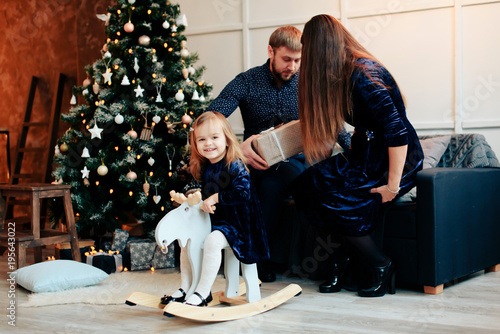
233,151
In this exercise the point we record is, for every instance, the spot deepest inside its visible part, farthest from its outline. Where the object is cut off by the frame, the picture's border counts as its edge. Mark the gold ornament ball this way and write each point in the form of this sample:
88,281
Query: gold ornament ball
102,170
129,27
132,134
144,40
186,119
131,176
63,148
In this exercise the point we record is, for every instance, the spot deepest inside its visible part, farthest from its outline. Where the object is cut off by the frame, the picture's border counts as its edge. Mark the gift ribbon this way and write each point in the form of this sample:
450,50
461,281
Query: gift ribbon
118,260
278,144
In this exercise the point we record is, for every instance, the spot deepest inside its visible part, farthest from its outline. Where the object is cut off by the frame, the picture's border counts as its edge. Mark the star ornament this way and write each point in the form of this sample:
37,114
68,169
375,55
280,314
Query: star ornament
85,172
107,76
138,91
95,132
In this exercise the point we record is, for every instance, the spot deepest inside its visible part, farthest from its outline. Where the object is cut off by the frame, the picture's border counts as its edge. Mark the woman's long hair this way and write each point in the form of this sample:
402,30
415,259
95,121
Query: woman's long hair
329,54
233,151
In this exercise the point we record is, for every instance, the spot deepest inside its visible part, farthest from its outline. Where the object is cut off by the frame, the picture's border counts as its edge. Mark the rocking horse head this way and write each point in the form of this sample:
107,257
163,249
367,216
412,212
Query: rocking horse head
186,222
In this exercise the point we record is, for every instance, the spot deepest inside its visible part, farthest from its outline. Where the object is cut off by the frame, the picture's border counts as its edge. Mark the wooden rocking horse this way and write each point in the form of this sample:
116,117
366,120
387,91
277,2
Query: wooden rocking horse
189,225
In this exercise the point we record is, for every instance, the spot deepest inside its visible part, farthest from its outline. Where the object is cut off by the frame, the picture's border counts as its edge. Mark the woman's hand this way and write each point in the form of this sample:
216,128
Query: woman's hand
387,195
208,205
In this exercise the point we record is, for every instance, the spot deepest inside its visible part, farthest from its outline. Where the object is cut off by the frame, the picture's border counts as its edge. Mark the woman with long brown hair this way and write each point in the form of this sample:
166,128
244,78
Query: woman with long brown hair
340,81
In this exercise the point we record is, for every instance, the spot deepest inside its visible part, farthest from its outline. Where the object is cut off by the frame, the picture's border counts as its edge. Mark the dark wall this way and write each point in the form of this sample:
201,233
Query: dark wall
43,38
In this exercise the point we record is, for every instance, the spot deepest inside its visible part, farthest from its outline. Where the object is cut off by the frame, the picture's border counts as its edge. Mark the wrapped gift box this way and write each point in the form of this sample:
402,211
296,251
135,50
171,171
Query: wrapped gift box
280,143
108,262
145,254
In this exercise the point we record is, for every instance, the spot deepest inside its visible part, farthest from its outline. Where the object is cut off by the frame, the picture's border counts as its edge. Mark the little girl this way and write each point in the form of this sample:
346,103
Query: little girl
218,164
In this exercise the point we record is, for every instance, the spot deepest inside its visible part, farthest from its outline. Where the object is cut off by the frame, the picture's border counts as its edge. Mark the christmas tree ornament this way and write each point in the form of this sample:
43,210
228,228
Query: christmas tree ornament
85,92
129,27
86,82
63,148
139,91
185,73
202,98
151,162
191,70
145,187
96,88
170,158
125,81
186,119
174,28
158,91
184,53
132,134
73,100
85,153
165,25
195,97
105,47
136,65
131,176
107,76
104,17
95,131
183,44
107,54
182,20
86,182
131,2
157,198
119,119
144,40
179,96
102,170
146,132
85,172
156,119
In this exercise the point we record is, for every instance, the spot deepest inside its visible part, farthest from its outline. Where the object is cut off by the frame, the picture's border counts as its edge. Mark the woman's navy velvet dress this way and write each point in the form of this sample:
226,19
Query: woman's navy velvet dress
238,214
335,193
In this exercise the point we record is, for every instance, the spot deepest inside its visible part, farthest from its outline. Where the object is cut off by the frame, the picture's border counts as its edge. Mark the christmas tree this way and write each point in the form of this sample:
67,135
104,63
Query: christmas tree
126,144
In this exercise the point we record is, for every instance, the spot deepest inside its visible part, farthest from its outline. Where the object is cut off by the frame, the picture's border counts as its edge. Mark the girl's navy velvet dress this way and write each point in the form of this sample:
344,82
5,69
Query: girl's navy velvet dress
335,193
238,214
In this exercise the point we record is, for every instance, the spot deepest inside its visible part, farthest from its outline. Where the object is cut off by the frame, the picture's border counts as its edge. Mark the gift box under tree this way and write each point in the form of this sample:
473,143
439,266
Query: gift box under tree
146,254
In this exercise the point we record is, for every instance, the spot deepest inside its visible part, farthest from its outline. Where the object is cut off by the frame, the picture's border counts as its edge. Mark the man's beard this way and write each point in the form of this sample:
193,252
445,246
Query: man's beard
279,76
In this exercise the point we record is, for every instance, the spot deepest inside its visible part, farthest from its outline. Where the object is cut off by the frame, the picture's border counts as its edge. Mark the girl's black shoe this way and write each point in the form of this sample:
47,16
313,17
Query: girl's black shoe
167,299
334,281
384,279
204,302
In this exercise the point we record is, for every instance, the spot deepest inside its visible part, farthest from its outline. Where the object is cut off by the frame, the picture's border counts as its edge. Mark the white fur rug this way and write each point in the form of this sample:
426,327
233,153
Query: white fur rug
115,289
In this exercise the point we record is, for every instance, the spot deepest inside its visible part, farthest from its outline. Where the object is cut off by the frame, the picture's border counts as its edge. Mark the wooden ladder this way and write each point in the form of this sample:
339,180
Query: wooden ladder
47,150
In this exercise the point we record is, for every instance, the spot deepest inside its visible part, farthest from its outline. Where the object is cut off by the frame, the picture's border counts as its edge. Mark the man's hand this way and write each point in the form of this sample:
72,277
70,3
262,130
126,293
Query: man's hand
253,159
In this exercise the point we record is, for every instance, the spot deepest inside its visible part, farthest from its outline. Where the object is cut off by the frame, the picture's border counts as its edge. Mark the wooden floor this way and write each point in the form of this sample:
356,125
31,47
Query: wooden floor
470,306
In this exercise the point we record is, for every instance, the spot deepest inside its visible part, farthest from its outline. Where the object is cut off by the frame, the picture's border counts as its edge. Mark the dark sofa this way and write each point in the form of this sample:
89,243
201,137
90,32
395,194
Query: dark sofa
449,230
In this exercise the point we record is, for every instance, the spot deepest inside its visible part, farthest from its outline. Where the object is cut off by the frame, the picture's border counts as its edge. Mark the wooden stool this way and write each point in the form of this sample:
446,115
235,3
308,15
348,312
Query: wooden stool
37,237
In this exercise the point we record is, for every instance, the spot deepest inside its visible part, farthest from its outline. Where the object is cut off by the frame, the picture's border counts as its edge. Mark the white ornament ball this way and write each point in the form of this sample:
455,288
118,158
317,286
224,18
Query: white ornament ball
102,170
186,119
131,2
166,25
119,119
179,96
129,27
157,119
131,176
132,134
191,70
184,53
144,40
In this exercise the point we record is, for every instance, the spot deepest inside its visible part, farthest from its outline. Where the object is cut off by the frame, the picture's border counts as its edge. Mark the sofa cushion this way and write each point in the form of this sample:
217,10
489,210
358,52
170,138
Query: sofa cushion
434,148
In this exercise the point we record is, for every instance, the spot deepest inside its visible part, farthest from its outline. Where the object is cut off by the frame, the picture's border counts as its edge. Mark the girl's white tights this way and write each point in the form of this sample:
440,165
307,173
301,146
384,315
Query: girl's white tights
212,257
215,242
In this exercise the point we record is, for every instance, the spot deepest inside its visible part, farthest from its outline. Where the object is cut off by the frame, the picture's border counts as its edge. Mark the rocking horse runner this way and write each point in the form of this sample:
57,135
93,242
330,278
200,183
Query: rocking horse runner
217,162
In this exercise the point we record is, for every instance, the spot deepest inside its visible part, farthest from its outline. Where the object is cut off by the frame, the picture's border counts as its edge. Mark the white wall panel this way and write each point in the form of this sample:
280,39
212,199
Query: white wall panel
481,72
266,11
211,15
420,56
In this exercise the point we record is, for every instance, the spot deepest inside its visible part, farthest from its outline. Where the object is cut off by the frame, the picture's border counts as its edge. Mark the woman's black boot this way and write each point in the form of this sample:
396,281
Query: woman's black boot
384,279
334,281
